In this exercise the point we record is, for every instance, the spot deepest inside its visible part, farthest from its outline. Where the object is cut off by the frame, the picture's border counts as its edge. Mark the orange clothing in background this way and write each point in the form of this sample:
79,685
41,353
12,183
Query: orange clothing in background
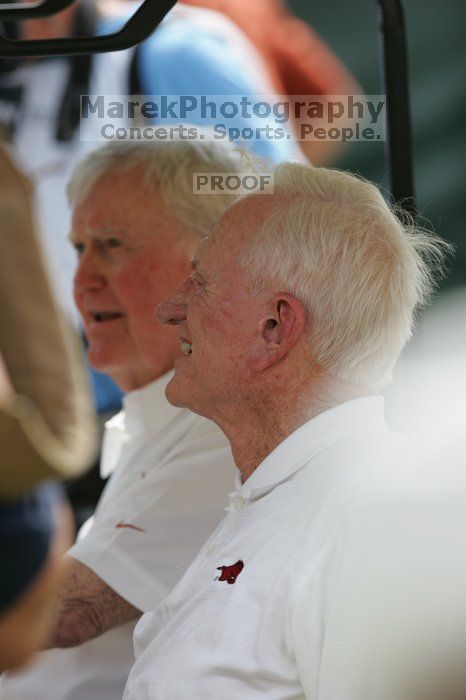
299,61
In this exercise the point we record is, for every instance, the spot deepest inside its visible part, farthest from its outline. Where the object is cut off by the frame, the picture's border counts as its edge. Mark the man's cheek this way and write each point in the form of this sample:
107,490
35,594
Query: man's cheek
79,302
142,290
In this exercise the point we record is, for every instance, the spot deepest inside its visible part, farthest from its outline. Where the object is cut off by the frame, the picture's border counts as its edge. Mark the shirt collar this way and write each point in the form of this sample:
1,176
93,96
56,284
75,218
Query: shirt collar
145,412
309,440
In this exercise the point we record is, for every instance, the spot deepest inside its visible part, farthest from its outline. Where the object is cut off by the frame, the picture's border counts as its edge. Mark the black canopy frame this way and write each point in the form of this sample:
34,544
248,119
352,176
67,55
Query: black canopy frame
20,10
138,27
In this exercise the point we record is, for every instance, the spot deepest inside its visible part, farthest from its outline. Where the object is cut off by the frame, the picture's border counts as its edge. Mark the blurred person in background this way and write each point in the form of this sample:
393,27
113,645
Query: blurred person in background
298,61
35,531
135,225
47,427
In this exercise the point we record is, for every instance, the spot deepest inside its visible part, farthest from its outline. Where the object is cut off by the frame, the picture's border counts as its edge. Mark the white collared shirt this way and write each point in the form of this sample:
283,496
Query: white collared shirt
252,617
171,473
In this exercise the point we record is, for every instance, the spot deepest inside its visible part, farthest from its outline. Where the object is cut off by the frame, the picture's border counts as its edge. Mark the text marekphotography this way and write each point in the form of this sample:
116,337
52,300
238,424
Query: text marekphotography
233,118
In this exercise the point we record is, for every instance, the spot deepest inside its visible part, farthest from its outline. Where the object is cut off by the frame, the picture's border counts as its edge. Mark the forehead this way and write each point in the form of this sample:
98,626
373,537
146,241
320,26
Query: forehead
236,229
124,202
117,191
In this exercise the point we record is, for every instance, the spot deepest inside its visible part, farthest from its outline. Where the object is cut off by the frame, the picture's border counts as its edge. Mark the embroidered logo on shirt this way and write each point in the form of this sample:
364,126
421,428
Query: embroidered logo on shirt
132,527
230,573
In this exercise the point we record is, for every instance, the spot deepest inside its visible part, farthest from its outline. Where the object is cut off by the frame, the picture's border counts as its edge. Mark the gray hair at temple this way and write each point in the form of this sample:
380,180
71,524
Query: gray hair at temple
360,271
169,168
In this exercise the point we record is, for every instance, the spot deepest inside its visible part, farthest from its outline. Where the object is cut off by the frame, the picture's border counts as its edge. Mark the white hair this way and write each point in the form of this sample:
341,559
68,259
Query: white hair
169,167
332,241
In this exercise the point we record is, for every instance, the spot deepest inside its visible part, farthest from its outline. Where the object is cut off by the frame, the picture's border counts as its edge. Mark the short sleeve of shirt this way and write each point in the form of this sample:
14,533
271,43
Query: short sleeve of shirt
144,537
173,62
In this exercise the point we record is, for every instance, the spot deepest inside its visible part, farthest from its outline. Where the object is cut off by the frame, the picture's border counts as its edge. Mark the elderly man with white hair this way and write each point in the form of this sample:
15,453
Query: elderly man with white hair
136,223
292,319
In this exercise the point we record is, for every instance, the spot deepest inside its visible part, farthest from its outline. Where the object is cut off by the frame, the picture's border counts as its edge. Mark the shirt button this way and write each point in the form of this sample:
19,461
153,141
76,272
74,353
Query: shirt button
211,549
237,502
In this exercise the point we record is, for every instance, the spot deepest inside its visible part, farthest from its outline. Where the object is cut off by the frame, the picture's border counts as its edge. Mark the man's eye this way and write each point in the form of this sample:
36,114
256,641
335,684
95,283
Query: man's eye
79,248
113,242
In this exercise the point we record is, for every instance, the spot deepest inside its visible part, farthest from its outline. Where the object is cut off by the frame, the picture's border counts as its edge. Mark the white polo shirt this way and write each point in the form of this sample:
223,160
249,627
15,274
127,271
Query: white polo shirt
254,614
172,471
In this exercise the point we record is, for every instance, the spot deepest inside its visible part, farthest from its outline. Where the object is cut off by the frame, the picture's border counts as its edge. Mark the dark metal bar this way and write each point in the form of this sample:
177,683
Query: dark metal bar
399,152
137,28
20,11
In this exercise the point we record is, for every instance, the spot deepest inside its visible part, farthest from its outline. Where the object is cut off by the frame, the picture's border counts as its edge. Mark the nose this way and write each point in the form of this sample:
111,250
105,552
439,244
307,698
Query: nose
173,310
88,276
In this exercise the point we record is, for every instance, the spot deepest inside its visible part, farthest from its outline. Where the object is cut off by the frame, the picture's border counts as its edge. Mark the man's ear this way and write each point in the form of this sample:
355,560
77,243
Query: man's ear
280,330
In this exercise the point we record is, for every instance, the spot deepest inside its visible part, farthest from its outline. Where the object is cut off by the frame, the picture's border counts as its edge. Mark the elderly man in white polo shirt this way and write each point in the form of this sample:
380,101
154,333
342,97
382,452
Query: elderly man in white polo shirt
292,319
136,223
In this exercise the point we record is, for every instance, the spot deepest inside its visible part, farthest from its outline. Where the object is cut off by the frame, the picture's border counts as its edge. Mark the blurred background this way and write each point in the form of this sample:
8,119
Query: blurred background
437,67
427,398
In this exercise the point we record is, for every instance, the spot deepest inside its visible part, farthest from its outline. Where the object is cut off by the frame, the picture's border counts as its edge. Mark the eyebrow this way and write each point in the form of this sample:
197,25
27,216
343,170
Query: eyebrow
197,271
103,232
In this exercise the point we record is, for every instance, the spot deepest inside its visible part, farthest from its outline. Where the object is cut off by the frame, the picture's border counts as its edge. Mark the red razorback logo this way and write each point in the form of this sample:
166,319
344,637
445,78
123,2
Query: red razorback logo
230,573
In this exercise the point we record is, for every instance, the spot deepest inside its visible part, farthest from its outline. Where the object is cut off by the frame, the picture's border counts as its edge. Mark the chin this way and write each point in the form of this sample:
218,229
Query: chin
181,394
99,363
175,394
104,362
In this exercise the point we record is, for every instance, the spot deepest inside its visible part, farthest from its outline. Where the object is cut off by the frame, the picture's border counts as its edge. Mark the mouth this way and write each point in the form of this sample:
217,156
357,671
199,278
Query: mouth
104,316
186,347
